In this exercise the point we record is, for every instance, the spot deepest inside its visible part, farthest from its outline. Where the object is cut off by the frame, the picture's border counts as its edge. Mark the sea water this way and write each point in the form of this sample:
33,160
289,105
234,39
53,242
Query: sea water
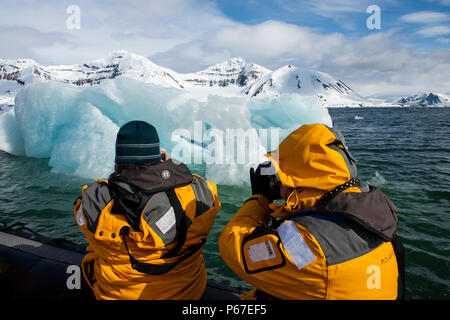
403,151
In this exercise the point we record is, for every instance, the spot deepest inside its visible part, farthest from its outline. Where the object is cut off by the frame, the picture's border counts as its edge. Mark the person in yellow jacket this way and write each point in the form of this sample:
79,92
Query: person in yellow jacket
146,225
333,237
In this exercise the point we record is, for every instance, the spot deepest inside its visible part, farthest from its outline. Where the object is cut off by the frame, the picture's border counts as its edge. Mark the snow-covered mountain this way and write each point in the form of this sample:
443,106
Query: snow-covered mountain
234,71
16,73
290,79
425,99
234,77
117,64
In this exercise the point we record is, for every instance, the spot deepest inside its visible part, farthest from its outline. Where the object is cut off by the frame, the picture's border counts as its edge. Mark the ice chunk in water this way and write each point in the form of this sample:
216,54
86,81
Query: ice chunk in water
76,127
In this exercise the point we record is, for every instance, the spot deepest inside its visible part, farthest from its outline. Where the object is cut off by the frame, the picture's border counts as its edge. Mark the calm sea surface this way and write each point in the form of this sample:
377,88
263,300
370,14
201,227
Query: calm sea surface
403,151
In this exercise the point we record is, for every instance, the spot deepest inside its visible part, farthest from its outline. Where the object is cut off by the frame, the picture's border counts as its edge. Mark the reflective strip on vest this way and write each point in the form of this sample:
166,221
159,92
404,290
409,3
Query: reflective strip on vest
95,198
203,195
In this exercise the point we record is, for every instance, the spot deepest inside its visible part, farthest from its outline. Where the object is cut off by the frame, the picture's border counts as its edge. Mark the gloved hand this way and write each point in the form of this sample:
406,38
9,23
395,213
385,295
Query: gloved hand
261,182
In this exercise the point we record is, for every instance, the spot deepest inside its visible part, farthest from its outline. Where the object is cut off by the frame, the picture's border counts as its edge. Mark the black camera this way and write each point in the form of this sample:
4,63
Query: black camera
265,181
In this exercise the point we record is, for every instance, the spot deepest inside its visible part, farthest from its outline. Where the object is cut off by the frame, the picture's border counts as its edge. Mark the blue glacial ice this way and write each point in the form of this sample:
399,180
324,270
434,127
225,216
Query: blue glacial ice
75,128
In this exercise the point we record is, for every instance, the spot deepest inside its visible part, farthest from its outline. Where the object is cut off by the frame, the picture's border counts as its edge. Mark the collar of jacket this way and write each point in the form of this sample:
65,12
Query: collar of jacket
162,176
134,186
371,209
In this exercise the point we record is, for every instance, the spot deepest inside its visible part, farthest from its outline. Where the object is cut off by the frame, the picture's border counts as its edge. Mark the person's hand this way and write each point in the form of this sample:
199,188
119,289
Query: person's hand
164,155
260,182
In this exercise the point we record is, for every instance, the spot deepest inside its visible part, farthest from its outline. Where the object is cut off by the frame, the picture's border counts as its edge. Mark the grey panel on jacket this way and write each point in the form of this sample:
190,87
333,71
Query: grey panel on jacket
95,198
203,195
341,240
160,216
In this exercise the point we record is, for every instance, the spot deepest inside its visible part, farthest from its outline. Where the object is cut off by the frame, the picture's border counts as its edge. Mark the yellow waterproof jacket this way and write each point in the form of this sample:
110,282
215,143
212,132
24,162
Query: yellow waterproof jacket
146,229
337,249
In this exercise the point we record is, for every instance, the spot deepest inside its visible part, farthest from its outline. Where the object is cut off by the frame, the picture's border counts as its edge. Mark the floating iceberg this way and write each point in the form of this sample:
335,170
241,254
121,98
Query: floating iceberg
378,179
76,127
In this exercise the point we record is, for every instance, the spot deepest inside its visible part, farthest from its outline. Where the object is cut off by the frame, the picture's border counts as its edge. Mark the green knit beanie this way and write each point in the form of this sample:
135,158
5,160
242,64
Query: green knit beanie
137,142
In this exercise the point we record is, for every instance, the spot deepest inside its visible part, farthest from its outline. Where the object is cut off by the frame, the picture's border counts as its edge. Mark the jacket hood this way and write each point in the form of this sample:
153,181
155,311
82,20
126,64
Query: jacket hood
313,160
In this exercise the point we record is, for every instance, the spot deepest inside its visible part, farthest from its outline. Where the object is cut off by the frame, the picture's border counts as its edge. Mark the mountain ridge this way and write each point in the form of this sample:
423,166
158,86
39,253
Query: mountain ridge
232,77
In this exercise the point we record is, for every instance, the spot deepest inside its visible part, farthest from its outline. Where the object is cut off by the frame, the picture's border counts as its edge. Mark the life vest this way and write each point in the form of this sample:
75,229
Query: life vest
334,237
146,228
320,253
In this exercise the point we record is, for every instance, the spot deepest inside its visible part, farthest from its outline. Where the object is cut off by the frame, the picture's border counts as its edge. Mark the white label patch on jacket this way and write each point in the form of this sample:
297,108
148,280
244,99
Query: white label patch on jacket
295,245
261,251
167,221
80,218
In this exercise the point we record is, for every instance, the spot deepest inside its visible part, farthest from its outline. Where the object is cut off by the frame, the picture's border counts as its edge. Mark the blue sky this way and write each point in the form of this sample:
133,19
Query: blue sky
410,53
346,17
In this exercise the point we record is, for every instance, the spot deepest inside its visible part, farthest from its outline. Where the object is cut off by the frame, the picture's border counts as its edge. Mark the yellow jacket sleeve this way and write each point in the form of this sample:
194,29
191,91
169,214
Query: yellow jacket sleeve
253,213
257,256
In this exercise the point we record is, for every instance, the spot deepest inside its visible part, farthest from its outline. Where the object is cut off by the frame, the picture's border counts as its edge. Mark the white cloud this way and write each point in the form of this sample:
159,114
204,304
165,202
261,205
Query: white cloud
18,41
373,65
378,65
425,17
409,73
338,11
187,35
328,8
270,43
434,31
443,40
143,27
325,8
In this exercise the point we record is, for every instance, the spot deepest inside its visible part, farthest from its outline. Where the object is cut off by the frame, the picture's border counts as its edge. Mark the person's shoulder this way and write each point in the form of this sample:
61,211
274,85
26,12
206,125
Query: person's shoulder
199,177
202,181
97,190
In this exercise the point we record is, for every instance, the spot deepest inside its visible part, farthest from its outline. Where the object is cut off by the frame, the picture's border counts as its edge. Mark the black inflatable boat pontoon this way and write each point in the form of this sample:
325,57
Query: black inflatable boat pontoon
35,267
